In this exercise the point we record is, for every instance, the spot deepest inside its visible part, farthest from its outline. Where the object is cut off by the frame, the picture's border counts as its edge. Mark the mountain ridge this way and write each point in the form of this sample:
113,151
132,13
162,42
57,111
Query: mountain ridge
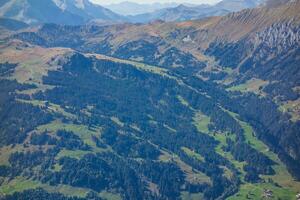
130,8
183,12
59,11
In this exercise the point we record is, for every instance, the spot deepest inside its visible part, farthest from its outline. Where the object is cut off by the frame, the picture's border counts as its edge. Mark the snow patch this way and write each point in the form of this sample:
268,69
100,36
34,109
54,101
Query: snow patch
80,4
61,4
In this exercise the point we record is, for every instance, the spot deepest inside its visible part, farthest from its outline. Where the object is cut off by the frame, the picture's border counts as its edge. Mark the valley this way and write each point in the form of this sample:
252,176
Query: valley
202,109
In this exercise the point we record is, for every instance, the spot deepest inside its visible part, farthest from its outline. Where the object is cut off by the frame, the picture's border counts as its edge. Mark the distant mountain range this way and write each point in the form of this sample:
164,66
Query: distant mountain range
132,8
184,12
68,12
78,12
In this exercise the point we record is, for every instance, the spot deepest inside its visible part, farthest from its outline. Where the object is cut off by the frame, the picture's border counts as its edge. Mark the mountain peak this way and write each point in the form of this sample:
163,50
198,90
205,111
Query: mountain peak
69,12
181,6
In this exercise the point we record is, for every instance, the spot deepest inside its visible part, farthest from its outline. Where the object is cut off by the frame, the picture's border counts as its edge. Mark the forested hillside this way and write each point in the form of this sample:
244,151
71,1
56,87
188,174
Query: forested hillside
192,110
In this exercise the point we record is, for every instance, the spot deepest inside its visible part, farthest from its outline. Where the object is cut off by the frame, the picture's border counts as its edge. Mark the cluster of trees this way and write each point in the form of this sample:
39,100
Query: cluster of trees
262,63
23,163
7,69
98,172
260,113
136,98
162,123
128,146
16,118
280,136
277,62
65,139
214,75
257,162
41,194
179,61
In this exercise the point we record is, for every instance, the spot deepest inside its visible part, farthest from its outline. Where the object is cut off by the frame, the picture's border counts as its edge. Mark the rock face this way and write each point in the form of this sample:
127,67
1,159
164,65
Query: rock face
280,36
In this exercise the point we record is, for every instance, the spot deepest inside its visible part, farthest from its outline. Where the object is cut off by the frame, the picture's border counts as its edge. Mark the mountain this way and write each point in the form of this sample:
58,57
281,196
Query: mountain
67,12
179,13
183,12
203,109
78,12
87,10
237,5
132,8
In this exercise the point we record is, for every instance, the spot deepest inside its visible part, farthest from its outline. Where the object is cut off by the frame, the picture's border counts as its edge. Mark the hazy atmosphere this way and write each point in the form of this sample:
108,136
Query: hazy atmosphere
106,2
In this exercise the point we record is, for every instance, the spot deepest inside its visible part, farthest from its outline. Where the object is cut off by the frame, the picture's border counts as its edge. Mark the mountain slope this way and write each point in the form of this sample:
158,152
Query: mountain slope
179,110
11,24
160,44
87,10
90,108
31,11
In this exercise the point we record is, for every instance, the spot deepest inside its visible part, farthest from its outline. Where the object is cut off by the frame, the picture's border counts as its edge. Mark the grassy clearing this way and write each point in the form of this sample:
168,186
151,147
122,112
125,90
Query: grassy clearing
221,138
282,177
289,187
67,190
57,167
192,154
253,85
201,122
39,88
18,184
78,154
110,196
192,175
85,133
6,151
292,108
250,136
191,196
51,107
33,61
230,77
227,172
256,191
139,65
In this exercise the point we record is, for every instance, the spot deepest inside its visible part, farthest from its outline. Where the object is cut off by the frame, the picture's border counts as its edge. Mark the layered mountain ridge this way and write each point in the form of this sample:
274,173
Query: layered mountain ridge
79,12
66,12
185,12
